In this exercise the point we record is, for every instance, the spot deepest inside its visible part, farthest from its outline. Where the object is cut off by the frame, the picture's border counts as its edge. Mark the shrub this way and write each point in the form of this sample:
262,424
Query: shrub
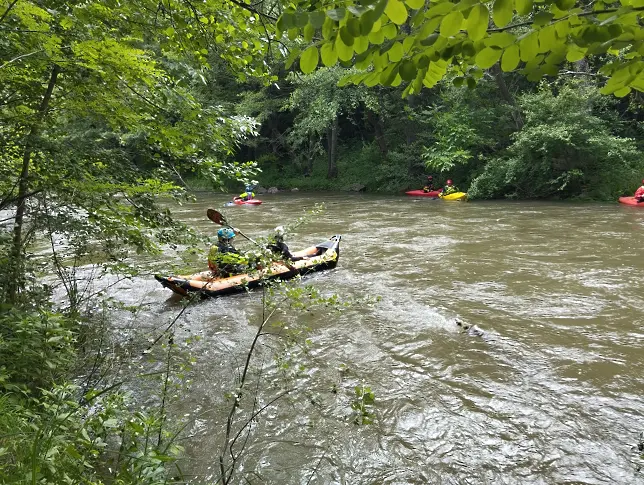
564,150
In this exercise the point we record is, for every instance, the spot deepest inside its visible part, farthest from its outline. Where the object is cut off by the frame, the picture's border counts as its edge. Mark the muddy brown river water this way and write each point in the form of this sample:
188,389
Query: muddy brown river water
550,392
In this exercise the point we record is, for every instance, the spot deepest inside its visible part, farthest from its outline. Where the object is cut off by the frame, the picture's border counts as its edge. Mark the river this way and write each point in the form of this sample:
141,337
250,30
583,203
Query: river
549,392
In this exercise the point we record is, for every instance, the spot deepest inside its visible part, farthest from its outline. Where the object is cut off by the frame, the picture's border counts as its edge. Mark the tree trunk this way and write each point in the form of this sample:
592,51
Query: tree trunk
332,140
507,96
310,157
379,131
17,257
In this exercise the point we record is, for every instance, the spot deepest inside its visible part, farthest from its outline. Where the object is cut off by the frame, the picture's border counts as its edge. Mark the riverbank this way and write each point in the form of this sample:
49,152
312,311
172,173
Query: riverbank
364,169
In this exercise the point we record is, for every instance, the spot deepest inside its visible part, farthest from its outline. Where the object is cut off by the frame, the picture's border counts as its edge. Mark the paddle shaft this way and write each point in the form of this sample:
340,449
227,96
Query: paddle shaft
218,218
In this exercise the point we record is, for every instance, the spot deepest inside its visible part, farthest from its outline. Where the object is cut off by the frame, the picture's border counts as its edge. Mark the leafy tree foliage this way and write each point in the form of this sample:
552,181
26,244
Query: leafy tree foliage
319,102
419,43
98,99
564,150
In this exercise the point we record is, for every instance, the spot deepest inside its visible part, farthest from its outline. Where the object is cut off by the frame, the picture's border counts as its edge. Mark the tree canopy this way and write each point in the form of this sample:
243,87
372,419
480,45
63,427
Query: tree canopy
421,42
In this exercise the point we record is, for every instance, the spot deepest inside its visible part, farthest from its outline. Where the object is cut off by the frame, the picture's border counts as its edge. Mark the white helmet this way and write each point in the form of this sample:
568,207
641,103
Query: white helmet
279,232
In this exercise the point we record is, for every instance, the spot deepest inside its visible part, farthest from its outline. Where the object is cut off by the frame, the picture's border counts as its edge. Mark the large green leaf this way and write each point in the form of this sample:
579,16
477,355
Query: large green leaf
407,70
510,59
547,38
488,57
524,7
477,22
395,53
309,60
529,47
451,24
575,53
396,11
415,4
308,32
346,36
502,12
316,19
345,52
336,14
328,54
377,37
360,44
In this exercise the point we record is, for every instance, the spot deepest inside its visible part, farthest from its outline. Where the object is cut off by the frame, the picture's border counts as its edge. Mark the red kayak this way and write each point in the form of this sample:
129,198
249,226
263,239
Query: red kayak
239,201
630,201
421,193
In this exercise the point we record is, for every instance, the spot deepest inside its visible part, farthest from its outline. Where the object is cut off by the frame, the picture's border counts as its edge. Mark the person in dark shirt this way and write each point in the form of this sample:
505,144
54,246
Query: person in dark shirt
280,247
429,186
224,259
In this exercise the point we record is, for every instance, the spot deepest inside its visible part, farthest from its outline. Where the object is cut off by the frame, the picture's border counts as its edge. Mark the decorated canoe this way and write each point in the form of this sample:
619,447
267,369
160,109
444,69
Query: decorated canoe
316,258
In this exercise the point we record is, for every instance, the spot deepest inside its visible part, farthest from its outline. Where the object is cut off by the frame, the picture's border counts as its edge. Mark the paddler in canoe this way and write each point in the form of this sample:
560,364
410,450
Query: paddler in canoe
429,185
639,193
248,193
280,248
449,188
224,259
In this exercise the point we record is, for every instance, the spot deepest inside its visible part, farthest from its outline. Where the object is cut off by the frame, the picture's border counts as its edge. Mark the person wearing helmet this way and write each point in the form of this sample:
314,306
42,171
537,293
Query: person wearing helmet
279,246
248,194
223,258
449,188
429,186
639,193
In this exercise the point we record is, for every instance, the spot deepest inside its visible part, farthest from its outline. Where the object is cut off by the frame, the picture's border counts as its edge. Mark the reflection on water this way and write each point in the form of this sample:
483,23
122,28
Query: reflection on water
550,393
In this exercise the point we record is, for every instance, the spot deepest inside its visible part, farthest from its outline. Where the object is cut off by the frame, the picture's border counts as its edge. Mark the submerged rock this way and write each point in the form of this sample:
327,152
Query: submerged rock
356,188
472,330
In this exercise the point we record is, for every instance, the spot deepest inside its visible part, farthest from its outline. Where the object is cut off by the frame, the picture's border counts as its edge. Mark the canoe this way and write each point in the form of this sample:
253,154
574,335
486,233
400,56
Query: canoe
630,201
419,193
238,201
319,257
454,196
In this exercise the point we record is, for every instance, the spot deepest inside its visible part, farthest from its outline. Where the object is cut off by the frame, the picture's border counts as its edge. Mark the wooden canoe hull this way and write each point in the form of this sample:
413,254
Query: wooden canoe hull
319,257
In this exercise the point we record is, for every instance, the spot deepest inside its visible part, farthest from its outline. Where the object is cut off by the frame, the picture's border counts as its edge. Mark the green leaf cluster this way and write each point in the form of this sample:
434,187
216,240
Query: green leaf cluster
466,36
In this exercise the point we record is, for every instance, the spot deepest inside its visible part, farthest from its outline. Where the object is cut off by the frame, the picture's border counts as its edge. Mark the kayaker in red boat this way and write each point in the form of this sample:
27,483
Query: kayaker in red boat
449,188
248,194
429,186
280,247
223,258
639,193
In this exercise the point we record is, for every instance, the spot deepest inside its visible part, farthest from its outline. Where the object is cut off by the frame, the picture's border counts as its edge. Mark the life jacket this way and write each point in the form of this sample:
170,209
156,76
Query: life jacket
449,189
224,259
639,193
247,196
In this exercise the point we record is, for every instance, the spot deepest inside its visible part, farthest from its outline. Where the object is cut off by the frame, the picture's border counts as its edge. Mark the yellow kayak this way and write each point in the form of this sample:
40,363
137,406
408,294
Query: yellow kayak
454,196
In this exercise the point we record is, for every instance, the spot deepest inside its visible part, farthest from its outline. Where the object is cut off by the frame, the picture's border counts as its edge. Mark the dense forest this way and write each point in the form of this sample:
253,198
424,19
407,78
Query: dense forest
505,138
109,109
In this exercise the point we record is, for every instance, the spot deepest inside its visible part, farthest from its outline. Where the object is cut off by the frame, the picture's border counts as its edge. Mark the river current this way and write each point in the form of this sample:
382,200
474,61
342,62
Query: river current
546,390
